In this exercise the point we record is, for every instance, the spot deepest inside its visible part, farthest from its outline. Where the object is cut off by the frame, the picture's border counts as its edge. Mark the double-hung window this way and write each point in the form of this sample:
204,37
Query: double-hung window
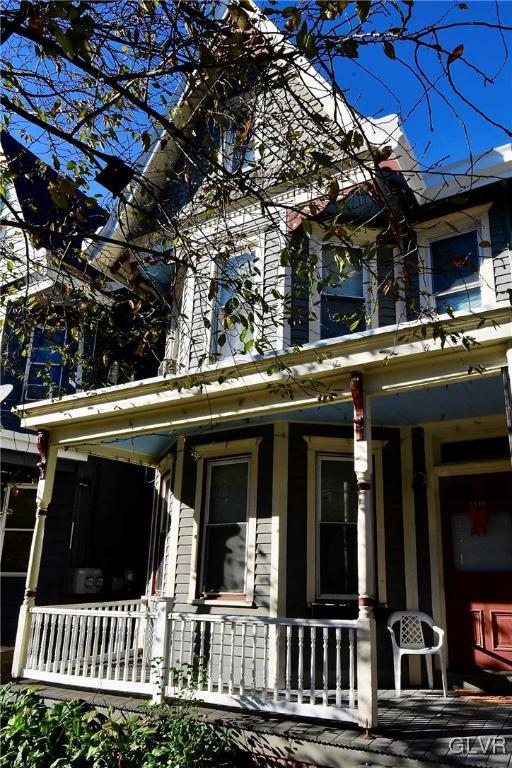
46,373
342,295
233,316
455,271
238,146
336,527
226,518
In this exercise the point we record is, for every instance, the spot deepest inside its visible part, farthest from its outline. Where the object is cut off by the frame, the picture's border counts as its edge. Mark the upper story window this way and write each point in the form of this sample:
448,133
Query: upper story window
238,146
455,271
342,295
47,374
233,319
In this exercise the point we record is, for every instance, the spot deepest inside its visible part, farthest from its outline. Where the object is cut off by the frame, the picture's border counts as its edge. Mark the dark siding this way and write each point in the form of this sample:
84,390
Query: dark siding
395,572
499,223
412,263
386,295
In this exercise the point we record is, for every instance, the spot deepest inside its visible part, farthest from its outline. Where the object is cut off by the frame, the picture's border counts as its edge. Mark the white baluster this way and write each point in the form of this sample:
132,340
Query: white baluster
201,656
232,660
220,679
242,660
210,657
96,641
136,648
65,644
312,672
88,645
103,645
111,639
338,666
58,644
301,665
42,641
191,651
148,628
182,641
37,635
172,639
50,656
128,644
276,666
265,662
254,630
82,622
288,661
325,697
351,670
72,658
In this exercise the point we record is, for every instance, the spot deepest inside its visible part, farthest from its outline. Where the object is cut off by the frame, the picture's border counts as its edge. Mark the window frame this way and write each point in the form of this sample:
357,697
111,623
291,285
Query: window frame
231,449
369,294
459,223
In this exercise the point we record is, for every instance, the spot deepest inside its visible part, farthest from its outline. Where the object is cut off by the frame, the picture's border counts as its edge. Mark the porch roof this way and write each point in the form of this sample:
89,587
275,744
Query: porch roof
137,422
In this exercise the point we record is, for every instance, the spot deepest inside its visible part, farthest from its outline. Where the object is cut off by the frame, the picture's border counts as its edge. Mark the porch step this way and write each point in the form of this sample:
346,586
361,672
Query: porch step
482,681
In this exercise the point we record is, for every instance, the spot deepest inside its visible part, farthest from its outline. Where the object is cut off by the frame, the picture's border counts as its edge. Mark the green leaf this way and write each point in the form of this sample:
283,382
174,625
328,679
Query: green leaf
389,49
350,49
146,140
363,9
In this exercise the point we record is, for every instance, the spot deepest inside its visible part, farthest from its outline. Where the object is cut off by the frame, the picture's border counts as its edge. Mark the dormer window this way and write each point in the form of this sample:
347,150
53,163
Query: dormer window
455,268
46,373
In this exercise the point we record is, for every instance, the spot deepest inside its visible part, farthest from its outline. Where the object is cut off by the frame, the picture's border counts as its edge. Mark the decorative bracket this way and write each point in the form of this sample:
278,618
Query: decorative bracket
42,442
356,390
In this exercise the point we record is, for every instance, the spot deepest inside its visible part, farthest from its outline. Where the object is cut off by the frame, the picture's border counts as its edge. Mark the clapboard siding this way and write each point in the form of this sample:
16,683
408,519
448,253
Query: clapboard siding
271,282
386,296
298,248
201,317
499,224
263,544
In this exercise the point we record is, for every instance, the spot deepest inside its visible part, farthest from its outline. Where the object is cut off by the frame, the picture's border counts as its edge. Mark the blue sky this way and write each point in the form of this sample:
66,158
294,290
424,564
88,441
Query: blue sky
447,142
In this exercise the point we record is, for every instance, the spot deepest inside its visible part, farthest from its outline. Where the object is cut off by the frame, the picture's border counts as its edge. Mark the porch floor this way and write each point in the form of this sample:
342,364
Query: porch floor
417,730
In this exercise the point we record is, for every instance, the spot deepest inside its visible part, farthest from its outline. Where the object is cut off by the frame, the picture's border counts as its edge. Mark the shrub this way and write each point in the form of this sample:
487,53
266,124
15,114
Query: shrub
72,734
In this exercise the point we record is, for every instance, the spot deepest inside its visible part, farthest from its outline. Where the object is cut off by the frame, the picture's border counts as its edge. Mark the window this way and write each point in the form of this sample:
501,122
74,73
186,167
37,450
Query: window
226,516
16,528
336,540
46,374
232,321
342,300
224,529
238,146
455,268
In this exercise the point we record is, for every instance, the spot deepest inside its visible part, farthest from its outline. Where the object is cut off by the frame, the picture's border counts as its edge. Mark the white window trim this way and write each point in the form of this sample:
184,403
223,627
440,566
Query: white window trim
339,447
469,220
248,448
369,292
255,244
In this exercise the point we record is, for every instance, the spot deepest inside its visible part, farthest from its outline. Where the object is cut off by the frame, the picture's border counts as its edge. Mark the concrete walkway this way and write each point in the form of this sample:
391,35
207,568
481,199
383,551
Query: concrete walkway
416,731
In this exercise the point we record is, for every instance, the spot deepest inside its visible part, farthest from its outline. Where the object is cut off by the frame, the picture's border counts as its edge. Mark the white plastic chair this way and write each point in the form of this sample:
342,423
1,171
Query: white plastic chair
411,641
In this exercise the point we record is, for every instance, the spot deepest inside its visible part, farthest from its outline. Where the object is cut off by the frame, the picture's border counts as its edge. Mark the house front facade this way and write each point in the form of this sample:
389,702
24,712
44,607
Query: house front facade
334,453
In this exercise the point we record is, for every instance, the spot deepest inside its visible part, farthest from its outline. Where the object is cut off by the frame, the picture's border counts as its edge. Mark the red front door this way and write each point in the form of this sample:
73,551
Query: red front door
477,538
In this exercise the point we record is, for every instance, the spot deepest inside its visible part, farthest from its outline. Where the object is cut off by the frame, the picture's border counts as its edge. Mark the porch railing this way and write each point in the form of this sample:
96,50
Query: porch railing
293,666
232,661
105,646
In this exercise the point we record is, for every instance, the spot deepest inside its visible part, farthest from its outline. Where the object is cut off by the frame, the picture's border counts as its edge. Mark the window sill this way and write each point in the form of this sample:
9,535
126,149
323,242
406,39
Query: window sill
224,602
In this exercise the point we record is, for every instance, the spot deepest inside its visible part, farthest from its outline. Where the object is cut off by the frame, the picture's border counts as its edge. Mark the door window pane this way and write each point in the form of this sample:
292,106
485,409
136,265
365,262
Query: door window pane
15,551
482,545
337,528
21,508
225,536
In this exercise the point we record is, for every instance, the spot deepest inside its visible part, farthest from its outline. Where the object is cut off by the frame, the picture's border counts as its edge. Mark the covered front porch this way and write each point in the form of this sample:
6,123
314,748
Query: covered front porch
270,651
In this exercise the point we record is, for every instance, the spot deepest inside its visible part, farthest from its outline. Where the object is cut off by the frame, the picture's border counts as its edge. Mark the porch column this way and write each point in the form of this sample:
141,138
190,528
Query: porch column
47,465
366,630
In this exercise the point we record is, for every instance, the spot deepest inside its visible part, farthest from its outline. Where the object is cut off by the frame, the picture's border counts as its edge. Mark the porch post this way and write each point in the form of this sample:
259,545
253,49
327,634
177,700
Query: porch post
47,466
366,630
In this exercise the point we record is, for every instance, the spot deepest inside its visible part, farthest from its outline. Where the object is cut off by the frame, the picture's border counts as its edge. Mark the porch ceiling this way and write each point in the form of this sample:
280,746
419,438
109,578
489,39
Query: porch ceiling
477,398
411,382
